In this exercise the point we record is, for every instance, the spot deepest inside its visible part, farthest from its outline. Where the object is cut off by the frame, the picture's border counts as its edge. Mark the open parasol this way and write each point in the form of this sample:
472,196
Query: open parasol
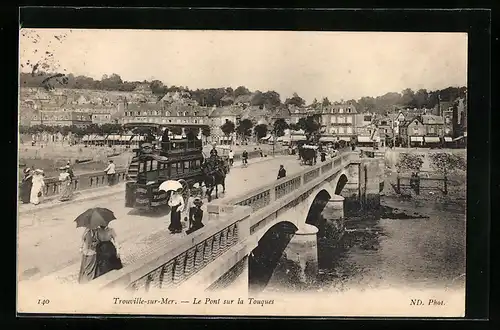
95,217
170,185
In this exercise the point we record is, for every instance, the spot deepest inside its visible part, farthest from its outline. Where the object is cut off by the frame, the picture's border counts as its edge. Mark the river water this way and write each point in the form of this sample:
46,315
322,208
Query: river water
388,252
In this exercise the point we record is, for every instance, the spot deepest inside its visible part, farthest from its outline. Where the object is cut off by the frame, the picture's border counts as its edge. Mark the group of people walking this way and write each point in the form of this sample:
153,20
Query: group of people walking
33,183
178,206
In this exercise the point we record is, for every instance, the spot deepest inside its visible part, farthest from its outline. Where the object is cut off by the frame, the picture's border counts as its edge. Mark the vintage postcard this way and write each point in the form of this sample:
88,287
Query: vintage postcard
270,173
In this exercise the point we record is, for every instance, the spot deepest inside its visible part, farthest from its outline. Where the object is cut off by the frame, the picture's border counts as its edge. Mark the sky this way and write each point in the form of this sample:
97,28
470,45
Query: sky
338,65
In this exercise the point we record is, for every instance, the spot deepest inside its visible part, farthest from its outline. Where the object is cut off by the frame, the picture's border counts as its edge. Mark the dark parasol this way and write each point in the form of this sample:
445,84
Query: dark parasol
95,217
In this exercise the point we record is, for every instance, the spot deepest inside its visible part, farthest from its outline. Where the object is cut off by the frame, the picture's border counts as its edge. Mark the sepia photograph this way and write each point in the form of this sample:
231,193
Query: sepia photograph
251,173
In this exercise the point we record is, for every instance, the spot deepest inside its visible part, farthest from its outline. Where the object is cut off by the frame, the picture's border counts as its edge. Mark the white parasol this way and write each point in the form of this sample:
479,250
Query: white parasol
170,185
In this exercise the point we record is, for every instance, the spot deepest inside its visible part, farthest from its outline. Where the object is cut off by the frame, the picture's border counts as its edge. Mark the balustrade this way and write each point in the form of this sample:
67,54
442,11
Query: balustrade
311,175
179,268
81,182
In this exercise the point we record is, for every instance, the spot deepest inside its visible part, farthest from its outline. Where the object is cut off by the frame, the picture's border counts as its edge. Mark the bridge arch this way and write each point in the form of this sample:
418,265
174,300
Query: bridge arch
340,183
264,258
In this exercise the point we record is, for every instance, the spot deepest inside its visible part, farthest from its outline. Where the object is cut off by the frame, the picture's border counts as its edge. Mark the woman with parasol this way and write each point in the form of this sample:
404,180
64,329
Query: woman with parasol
26,185
100,252
65,179
37,187
176,203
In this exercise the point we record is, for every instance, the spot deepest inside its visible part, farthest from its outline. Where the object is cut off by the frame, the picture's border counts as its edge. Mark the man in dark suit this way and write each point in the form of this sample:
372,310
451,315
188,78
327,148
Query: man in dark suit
281,172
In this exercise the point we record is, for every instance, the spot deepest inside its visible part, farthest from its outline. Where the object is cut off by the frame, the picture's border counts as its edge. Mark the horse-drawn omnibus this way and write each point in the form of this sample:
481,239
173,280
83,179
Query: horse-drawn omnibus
165,152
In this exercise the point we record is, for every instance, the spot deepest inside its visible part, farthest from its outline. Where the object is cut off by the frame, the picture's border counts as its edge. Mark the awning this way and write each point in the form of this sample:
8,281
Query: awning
125,137
364,139
416,139
328,139
113,137
447,139
465,134
138,138
432,139
85,138
458,138
99,138
298,138
267,137
345,138
224,138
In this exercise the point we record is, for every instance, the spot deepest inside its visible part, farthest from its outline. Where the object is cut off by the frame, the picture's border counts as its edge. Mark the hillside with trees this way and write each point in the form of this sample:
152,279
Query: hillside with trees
221,96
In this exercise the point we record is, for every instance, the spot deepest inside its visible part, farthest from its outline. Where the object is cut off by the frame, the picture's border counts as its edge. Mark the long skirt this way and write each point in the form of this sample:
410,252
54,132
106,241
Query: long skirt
66,192
107,259
88,268
25,191
175,220
35,190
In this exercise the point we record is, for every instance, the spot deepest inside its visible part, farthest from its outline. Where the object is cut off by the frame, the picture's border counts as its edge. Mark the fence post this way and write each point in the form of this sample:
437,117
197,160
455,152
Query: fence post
399,184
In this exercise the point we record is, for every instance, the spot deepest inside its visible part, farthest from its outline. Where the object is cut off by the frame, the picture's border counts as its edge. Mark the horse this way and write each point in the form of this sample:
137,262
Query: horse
213,176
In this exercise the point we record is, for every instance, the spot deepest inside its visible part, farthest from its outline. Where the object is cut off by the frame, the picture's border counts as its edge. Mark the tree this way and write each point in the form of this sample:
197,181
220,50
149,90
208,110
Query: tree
206,132
260,131
157,87
310,125
295,100
294,126
228,127
244,129
280,126
409,162
241,90
445,163
326,102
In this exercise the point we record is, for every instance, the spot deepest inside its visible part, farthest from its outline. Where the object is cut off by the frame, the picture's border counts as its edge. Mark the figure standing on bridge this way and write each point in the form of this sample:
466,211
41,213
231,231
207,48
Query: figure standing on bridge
26,186
281,172
195,216
176,203
65,180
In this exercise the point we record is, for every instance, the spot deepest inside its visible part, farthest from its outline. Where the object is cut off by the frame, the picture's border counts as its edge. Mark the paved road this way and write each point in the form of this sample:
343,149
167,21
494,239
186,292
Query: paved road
48,240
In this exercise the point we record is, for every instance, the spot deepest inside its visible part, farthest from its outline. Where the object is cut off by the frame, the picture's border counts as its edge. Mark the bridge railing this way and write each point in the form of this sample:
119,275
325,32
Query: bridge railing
265,195
82,181
176,262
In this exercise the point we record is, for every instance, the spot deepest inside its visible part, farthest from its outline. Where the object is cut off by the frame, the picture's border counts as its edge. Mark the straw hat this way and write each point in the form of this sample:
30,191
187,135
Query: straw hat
27,170
197,201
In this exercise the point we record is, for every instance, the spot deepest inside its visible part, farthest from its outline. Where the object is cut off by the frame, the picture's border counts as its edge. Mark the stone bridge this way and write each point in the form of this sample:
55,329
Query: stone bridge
238,235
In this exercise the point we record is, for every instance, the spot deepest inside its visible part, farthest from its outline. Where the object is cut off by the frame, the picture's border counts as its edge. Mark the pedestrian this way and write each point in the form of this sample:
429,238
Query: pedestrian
65,180
231,157
70,170
281,172
110,172
26,184
37,187
100,253
260,152
323,155
195,216
244,157
176,204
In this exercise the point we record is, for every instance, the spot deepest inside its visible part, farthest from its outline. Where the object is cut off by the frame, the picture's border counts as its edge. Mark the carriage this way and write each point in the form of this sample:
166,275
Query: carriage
165,152
307,154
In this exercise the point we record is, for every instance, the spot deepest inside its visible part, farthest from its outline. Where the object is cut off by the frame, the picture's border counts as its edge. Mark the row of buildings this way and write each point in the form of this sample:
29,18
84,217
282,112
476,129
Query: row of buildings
406,127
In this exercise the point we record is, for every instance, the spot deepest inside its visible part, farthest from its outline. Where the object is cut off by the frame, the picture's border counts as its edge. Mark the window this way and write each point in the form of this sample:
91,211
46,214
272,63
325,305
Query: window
349,130
167,113
415,130
341,120
385,130
349,119
332,120
163,121
367,118
341,130
333,130
341,110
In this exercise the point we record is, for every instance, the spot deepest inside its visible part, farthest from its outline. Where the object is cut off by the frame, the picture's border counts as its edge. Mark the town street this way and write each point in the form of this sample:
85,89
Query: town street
48,240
